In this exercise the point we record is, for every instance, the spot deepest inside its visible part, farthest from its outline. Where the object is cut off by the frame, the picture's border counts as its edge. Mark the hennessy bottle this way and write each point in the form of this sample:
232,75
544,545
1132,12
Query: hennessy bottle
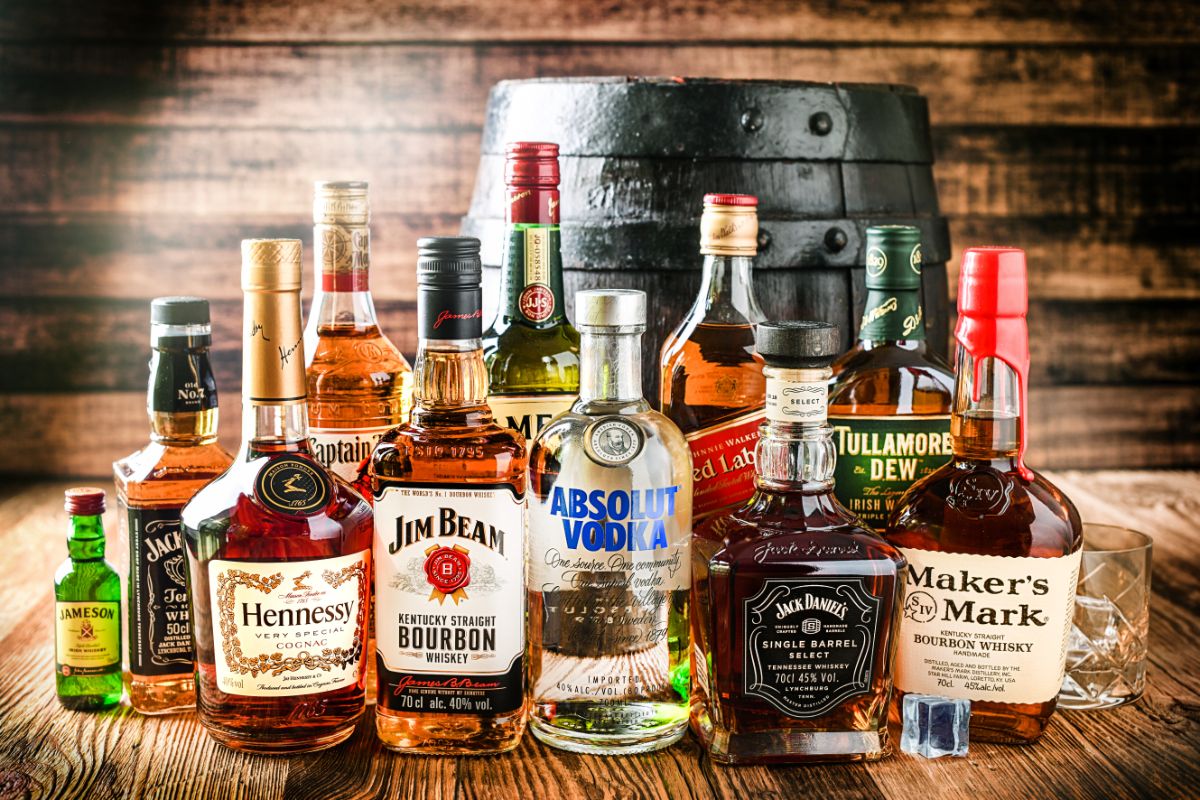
449,496
794,603
153,486
993,548
711,383
278,550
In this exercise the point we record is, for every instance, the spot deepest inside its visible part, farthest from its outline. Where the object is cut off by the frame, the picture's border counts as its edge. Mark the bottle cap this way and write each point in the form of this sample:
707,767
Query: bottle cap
531,164
84,501
271,265
340,203
611,308
179,311
449,261
729,225
797,344
893,257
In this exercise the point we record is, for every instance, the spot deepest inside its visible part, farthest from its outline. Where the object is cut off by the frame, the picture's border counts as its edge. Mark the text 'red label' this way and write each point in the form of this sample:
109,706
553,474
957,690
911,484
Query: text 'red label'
723,463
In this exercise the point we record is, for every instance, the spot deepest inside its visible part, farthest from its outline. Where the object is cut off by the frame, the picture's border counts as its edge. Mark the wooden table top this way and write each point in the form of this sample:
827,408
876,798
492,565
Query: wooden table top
1148,749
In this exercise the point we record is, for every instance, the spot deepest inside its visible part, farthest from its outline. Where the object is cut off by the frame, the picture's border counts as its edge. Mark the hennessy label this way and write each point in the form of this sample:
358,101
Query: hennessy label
160,620
449,598
87,638
287,628
723,463
293,486
342,452
528,413
878,458
990,628
809,643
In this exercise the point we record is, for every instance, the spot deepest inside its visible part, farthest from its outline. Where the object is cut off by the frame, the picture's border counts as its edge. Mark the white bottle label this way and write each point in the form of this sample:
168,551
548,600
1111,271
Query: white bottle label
289,627
343,451
528,413
979,627
797,401
450,598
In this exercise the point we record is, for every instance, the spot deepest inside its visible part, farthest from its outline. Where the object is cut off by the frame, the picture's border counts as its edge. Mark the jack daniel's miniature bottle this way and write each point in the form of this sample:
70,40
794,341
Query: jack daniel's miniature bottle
794,603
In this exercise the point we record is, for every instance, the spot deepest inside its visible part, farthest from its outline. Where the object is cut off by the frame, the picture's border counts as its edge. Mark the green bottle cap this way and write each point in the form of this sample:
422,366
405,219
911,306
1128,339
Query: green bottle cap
893,257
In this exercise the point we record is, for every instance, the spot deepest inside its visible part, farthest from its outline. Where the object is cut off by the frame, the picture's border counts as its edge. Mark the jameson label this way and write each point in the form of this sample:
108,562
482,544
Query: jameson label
535,287
87,638
287,628
449,598
809,643
182,381
986,627
160,621
723,463
342,451
892,314
878,458
528,413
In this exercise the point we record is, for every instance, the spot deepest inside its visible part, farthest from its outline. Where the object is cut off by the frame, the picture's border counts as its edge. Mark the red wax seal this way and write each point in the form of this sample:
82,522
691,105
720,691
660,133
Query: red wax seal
448,569
992,301
537,302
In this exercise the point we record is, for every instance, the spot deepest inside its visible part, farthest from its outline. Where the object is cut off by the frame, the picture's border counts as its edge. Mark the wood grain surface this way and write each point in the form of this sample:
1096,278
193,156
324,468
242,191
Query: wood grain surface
1145,750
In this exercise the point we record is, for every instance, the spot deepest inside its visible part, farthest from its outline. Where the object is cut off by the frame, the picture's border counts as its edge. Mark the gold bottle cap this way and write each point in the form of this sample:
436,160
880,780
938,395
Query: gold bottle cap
729,225
340,203
270,265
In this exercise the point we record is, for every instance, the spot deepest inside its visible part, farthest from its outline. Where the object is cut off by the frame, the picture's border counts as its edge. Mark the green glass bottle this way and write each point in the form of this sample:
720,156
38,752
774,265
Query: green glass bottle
531,350
87,612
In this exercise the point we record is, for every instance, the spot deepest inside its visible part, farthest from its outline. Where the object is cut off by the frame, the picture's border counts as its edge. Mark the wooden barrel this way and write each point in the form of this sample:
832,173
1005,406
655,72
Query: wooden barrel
638,155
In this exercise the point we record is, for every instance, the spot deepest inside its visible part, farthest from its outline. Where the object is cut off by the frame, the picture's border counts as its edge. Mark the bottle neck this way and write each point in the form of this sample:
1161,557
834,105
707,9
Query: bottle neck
986,422
274,412
727,291
182,395
342,297
892,315
531,276
610,365
795,447
450,375
85,542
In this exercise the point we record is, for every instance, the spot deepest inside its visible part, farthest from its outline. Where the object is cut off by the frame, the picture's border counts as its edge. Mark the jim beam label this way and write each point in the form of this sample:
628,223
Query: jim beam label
991,628
87,638
723,463
160,619
809,643
535,280
528,413
449,598
797,401
878,458
342,451
288,628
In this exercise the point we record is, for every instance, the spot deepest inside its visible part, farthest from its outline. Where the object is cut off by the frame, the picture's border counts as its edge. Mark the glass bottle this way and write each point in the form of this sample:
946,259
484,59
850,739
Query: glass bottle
889,400
531,349
87,612
278,550
711,382
993,547
153,486
609,519
794,603
449,493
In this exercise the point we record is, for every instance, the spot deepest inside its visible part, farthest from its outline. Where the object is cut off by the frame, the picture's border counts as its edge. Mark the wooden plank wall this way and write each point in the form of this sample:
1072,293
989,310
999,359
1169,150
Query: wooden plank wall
139,141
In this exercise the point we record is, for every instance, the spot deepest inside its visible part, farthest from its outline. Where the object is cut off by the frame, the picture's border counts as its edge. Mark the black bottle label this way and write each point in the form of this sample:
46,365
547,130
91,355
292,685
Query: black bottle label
810,643
449,314
160,624
293,485
181,381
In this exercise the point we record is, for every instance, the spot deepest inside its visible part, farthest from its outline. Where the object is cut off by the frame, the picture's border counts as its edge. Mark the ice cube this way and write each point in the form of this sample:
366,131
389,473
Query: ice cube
935,726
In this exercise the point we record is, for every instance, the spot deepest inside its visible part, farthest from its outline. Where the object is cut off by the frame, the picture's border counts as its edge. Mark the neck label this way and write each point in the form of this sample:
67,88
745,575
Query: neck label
293,486
533,272
181,381
449,314
892,314
796,401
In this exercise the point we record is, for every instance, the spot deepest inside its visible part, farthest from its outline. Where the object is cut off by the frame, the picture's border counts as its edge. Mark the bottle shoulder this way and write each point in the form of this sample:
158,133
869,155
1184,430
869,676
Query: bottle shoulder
522,358
161,463
890,379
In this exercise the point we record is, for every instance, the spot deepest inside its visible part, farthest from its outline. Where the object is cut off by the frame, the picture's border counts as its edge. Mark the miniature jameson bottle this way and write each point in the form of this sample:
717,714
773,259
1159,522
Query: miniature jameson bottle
87,612
993,548
449,491
279,552
531,350
711,384
794,603
889,401
153,486
610,512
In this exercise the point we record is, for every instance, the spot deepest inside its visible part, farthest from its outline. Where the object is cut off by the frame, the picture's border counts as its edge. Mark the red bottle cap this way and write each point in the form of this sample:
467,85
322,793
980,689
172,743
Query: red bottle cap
730,200
531,164
86,501
992,301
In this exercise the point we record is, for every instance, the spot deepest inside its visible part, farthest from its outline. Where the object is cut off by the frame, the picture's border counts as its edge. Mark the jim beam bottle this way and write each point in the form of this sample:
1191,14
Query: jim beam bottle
711,383
531,349
993,548
449,493
153,486
279,551
890,398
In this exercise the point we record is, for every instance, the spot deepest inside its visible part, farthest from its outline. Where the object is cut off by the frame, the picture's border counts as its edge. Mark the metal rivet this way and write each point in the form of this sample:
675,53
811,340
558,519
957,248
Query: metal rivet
752,120
835,240
764,239
820,123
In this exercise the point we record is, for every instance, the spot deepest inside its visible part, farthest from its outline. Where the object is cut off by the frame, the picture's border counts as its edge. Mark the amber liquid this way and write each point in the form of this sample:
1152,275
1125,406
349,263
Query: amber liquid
453,441
888,379
711,376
